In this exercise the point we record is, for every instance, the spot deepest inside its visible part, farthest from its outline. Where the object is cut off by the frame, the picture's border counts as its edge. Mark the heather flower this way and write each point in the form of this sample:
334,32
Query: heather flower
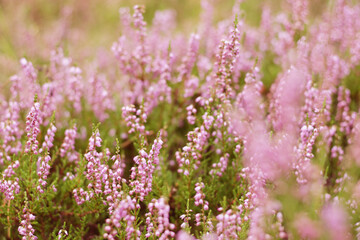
26,229
9,171
135,119
43,171
228,51
250,98
343,114
99,96
24,86
186,219
228,225
62,233
200,218
81,195
9,187
336,222
184,235
33,120
48,102
67,82
191,111
307,228
299,13
158,92
10,132
122,213
189,158
96,169
134,62
220,167
287,99
49,139
141,173
68,146
355,142
188,61
157,220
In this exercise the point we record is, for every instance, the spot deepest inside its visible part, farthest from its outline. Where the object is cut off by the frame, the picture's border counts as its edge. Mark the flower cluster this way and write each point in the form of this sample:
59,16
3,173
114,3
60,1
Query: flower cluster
142,173
122,213
68,146
157,220
135,119
257,121
43,171
33,128
26,229
49,139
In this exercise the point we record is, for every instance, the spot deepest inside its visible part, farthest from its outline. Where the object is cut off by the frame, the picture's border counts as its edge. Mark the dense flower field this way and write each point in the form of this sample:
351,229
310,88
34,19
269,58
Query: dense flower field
238,130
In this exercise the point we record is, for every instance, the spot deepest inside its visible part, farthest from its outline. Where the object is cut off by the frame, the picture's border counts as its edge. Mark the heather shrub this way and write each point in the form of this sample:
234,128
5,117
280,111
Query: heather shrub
240,127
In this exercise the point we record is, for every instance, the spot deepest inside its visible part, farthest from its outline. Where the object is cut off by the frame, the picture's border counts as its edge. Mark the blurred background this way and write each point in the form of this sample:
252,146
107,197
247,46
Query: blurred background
33,28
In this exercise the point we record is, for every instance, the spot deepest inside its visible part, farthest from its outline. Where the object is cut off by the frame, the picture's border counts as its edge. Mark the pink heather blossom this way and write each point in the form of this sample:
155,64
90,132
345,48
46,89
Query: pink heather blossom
343,113
135,119
10,132
279,226
62,233
200,218
43,171
228,225
26,229
24,85
186,219
96,169
48,102
133,56
189,158
113,185
67,81
287,99
189,60
141,173
355,50
220,167
308,135
249,99
33,120
81,195
355,142
191,111
158,92
307,228
9,187
49,138
68,146
182,235
157,220
122,213
99,96
190,86
9,171
282,40
299,12
336,69
199,196
224,65
336,221
161,29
